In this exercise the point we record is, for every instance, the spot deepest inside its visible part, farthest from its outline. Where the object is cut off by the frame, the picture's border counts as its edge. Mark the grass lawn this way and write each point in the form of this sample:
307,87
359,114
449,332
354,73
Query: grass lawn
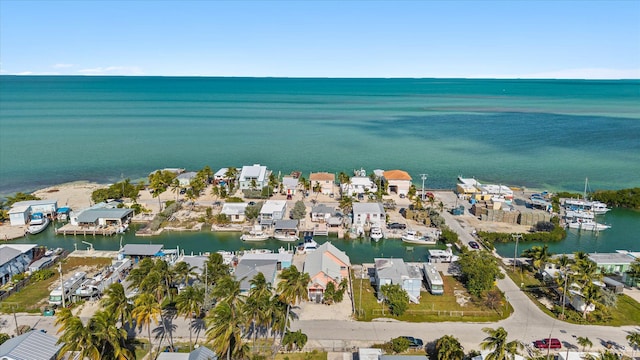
314,355
432,308
626,312
34,296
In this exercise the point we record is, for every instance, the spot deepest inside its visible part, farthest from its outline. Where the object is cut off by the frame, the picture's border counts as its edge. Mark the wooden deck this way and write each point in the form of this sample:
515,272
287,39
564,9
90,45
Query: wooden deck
83,230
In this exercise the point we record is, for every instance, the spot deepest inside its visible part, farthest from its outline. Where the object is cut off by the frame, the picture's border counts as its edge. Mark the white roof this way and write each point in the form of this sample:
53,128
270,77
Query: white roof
19,209
234,208
271,206
289,182
255,171
369,353
34,345
187,176
20,247
496,189
35,202
221,173
468,181
361,180
368,208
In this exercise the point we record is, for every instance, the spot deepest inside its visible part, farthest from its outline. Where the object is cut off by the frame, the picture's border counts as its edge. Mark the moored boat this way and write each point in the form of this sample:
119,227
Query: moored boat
256,234
376,234
287,237
308,245
412,237
38,223
588,225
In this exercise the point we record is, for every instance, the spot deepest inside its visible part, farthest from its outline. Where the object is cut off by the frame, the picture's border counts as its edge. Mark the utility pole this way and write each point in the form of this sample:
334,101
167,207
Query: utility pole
361,281
564,290
423,177
516,237
15,318
62,285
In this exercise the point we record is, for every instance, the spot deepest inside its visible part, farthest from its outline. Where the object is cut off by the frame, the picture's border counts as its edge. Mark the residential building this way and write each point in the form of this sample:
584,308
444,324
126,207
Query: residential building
248,268
271,211
322,212
235,211
97,216
326,181
253,177
289,185
368,214
618,262
14,259
33,345
396,272
324,265
139,251
399,181
184,179
200,353
358,185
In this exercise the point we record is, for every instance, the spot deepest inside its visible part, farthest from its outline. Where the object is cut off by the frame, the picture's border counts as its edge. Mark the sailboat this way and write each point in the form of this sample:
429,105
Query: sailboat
595,207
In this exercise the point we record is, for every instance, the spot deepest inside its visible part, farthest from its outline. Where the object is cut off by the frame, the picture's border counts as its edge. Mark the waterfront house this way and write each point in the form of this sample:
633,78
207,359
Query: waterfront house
613,263
271,211
358,185
102,217
396,272
248,268
368,214
322,212
175,171
201,353
289,185
399,181
285,227
184,179
32,345
235,211
14,259
283,258
136,252
253,177
324,265
326,181
21,210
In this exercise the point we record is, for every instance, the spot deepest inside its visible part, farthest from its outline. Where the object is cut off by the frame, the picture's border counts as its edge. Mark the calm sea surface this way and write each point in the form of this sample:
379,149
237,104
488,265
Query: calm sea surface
546,134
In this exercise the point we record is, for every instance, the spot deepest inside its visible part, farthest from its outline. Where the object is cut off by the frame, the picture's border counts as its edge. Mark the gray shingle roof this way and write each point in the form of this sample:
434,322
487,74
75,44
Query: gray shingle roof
34,345
247,269
359,207
286,225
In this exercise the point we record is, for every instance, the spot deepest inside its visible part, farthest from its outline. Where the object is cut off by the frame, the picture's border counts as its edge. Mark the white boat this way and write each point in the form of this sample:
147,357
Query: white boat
571,215
412,237
597,207
376,234
38,223
308,245
123,228
588,225
256,234
288,237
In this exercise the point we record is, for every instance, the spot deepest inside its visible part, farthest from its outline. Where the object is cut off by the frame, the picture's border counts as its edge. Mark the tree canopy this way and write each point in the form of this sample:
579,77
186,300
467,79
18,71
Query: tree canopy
479,271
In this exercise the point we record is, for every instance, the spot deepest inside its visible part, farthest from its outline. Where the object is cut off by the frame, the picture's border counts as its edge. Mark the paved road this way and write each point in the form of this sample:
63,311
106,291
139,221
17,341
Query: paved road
527,323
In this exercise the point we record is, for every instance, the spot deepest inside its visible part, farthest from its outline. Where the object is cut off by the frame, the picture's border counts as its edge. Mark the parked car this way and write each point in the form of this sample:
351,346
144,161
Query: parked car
414,343
396,225
474,245
551,343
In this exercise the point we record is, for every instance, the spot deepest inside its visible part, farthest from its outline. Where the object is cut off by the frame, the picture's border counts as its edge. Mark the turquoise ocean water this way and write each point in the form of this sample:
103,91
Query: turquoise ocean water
546,134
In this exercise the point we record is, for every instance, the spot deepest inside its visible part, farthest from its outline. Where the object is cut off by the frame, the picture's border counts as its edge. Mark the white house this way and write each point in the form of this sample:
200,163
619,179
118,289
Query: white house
396,272
235,211
358,185
372,214
19,215
184,179
326,181
14,259
289,185
322,212
255,174
399,181
271,211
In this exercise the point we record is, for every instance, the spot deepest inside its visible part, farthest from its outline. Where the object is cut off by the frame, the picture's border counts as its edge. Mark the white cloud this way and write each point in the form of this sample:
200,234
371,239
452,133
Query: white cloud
584,73
112,70
25,73
62,66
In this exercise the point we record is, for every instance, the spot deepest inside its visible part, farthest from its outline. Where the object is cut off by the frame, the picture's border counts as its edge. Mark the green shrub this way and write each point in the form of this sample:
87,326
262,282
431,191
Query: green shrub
42,274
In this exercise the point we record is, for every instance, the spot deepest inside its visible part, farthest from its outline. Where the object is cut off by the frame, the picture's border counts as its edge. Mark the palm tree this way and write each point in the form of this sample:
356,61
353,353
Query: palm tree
634,340
634,272
230,175
590,294
112,340
175,187
77,338
607,355
256,306
293,287
137,274
539,255
448,347
497,341
584,342
228,289
146,309
115,302
183,271
159,181
346,204
189,304
224,330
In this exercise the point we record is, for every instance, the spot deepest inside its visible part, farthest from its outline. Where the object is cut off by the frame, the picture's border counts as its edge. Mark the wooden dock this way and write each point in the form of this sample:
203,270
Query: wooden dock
75,230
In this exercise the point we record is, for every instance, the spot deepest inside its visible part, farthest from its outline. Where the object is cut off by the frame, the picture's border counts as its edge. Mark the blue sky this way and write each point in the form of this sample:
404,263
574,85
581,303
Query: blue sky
503,39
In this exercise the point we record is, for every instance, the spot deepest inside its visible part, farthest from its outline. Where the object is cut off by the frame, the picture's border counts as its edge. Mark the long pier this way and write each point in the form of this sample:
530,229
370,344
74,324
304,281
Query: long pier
93,230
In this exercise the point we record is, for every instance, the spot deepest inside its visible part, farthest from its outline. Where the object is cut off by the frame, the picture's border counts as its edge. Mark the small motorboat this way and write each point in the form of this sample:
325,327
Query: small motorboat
412,237
376,234
38,223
